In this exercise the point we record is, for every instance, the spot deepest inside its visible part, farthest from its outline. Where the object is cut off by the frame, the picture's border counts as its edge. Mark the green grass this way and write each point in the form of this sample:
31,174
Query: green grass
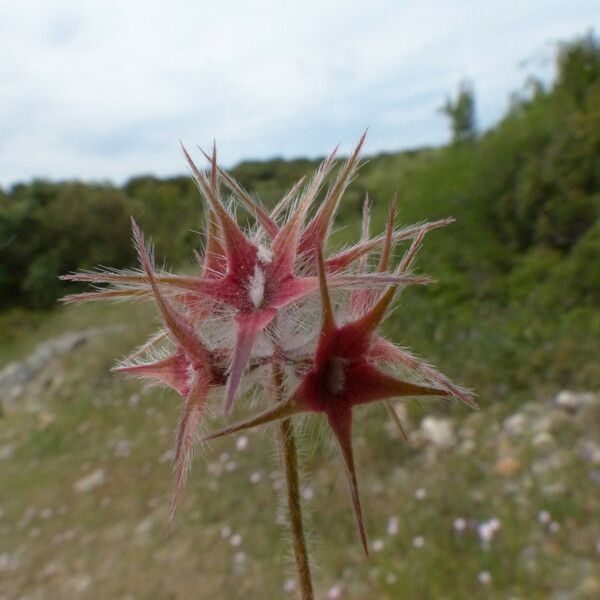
115,541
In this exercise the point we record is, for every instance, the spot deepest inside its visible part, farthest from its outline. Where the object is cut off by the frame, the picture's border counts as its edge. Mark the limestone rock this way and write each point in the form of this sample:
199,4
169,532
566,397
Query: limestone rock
439,432
89,482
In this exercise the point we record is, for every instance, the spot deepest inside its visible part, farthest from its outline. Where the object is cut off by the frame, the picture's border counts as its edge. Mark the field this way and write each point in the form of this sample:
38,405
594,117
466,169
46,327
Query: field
86,473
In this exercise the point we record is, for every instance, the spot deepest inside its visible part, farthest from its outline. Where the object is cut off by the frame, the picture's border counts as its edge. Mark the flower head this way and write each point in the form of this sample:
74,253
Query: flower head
251,306
344,375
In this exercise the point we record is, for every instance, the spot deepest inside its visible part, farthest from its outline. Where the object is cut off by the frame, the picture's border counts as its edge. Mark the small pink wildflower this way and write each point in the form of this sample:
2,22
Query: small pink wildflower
544,517
241,443
460,524
488,529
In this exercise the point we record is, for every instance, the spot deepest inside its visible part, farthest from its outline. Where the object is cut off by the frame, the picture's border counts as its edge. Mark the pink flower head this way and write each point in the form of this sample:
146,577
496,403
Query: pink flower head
344,375
240,311
256,279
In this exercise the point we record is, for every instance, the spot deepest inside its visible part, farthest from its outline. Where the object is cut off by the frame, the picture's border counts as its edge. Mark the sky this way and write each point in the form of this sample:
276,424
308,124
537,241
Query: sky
105,90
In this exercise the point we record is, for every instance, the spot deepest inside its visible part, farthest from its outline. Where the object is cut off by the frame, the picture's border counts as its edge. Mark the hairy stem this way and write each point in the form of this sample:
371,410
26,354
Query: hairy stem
287,444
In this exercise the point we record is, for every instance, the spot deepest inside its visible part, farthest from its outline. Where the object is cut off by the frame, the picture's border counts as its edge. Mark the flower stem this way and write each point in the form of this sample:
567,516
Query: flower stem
289,455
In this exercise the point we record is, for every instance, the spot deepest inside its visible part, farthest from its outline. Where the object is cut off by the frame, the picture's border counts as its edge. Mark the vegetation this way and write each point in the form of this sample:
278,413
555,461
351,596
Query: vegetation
461,113
514,272
426,506
515,315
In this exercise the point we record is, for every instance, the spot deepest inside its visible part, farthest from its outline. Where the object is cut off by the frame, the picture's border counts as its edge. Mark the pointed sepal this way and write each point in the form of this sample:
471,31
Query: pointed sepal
195,403
248,327
327,315
177,324
280,410
341,425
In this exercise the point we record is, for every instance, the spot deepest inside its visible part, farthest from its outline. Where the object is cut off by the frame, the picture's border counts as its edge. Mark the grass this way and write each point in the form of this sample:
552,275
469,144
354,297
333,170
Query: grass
115,540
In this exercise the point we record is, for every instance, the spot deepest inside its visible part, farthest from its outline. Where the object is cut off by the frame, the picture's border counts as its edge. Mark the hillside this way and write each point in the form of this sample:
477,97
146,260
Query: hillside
499,502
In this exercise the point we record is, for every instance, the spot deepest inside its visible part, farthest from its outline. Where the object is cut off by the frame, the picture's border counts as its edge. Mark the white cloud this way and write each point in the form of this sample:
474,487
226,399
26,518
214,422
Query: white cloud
105,89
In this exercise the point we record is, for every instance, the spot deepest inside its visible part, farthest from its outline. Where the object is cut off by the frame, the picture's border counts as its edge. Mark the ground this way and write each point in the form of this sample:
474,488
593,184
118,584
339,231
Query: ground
500,503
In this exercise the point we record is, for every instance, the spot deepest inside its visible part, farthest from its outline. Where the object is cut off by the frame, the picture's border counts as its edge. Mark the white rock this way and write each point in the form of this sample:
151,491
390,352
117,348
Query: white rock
144,527
123,449
7,452
81,583
543,440
89,482
241,443
515,424
439,432
8,563
573,401
167,456
15,376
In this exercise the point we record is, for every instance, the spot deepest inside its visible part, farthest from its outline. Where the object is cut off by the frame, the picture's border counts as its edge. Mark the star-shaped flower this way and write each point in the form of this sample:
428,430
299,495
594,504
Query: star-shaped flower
256,279
344,375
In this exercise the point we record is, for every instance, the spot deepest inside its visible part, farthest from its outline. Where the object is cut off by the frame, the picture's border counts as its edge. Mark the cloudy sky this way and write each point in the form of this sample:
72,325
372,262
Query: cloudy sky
104,90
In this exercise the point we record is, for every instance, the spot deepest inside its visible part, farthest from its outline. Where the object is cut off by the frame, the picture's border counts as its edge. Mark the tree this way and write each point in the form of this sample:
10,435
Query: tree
461,113
578,67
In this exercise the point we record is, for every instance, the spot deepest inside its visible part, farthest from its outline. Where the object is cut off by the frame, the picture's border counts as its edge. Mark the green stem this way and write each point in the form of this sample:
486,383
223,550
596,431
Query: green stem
289,455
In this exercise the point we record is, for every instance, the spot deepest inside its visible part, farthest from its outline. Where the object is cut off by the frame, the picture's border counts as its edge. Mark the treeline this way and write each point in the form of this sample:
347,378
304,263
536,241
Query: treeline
48,229
529,194
529,200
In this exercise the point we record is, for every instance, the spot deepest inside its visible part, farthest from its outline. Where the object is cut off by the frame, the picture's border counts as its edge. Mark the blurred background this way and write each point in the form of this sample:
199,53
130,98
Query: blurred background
488,112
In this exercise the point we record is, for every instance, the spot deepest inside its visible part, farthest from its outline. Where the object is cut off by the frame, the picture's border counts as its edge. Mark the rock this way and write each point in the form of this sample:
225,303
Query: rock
543,440
16,375
122,449
144,527
508,465
81,583
440,432
8,563
467,446
167,456
573,401
589,588
589,451
515,424
89,482
45,419
7,451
